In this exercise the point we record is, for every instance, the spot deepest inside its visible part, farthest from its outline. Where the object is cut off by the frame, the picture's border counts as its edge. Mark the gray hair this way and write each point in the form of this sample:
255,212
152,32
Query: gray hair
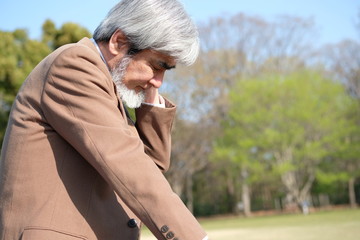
161,25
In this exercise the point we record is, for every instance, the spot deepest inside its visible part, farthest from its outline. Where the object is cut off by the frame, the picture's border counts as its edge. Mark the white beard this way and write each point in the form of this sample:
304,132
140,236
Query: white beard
128,96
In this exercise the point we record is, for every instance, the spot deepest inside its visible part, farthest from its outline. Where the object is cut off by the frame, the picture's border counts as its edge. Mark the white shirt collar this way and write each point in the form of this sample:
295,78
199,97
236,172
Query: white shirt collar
97,47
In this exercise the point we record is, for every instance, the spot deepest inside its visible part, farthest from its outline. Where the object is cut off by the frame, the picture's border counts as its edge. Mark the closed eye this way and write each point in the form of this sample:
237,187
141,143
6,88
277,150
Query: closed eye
165,66
155,68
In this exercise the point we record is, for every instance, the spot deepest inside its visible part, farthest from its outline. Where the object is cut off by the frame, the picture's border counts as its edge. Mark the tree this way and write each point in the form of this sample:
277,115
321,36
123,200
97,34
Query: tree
343,162
68,33
342,61
281,45
18,55
49,32
233,48
187,157
283,125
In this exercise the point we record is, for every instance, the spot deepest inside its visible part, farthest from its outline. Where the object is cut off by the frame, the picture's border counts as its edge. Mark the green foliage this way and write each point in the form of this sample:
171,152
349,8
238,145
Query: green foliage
18,56
49,32
332,177
281,125
343,160
68,33
9,52
213,189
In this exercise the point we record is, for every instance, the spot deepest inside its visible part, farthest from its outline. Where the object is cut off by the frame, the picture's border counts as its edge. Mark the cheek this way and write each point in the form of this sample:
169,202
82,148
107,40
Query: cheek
139,73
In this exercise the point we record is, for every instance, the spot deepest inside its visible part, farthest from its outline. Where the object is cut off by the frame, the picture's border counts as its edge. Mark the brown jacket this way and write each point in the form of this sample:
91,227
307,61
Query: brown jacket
74,167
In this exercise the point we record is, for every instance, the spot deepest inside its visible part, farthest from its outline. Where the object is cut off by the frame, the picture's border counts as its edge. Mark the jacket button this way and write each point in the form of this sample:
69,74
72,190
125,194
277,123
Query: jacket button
132,223
170,235
164,229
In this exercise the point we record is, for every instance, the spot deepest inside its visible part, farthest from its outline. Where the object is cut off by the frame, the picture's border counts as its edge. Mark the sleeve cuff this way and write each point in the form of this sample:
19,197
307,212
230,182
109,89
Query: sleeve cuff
160,105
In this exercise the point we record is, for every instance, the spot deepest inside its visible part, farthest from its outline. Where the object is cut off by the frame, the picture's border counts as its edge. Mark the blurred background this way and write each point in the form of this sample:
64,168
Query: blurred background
268,117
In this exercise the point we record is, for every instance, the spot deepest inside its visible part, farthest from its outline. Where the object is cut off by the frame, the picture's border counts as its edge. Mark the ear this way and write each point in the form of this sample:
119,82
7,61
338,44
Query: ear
118,43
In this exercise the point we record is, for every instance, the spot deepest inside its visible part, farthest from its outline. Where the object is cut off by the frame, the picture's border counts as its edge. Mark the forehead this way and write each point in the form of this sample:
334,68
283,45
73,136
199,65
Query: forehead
156,56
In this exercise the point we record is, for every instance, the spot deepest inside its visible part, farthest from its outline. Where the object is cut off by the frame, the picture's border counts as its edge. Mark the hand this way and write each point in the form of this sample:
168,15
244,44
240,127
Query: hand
152,96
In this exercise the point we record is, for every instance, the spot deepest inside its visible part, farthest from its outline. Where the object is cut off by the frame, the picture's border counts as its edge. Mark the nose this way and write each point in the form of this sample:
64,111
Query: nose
157,80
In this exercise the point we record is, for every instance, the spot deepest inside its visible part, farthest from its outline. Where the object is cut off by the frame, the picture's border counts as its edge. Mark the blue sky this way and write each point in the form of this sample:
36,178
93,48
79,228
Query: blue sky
335,19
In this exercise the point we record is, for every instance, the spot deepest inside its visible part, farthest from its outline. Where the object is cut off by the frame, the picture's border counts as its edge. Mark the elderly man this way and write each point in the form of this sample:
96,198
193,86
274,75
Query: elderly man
74,165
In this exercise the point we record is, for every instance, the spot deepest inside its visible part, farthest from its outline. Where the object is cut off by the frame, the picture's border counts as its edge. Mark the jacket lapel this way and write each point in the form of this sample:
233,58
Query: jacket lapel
87,42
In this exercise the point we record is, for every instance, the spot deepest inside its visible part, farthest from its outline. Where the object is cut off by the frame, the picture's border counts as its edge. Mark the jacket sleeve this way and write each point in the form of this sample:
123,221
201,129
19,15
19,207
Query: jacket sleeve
78,101
154,126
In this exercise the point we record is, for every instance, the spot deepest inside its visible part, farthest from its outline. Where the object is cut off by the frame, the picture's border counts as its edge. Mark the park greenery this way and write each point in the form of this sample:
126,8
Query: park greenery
267,119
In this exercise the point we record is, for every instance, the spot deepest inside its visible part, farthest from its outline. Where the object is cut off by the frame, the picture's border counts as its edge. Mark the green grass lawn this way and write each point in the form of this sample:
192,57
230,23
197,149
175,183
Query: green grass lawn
325,225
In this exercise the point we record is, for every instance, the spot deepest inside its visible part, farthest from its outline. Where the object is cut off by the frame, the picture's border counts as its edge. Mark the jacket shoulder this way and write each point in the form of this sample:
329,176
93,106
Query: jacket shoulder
78,57
83,48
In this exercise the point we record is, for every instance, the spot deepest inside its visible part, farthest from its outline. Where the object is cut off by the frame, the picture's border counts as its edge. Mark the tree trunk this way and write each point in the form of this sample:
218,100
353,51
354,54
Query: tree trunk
245,194
246,199
189,193
233,200
352,196
177,186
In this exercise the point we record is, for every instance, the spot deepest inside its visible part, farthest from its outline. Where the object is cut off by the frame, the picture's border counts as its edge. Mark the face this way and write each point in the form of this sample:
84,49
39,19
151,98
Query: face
136,76
146,70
